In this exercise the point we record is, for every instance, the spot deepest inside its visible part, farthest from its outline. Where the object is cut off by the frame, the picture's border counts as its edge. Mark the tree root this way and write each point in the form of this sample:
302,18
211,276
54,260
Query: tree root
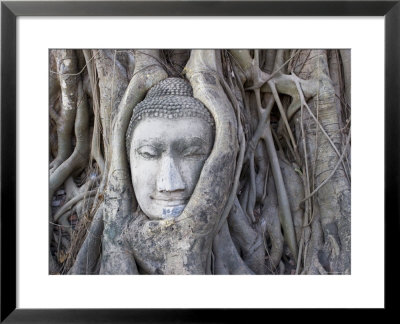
250,242
333,171
283,200
295,190
240,159
89,252
345,55
78,159
72,202
273,225
332,188
66,64
228,261
96,139
112,87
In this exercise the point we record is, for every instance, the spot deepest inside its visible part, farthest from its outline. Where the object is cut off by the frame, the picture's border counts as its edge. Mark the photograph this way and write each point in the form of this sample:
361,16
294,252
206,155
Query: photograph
199,161
192,139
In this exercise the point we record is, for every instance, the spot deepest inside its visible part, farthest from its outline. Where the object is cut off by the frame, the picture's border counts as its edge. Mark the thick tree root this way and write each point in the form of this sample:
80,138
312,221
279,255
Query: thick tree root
96,137
333,197
87,259
250,242
228,261
273,225
66,62
78,160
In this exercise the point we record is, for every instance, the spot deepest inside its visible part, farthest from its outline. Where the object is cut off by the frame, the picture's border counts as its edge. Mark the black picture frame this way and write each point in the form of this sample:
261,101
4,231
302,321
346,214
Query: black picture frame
9,13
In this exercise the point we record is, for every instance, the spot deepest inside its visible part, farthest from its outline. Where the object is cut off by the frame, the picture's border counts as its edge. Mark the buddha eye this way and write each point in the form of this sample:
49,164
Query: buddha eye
148,152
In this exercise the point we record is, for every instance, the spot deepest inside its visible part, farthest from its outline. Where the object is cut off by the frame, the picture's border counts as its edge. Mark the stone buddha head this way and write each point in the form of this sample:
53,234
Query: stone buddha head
170,136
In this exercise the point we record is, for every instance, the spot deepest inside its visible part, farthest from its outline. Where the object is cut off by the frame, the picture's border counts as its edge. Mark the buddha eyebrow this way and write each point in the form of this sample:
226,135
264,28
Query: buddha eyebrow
157,142
183,143
192,141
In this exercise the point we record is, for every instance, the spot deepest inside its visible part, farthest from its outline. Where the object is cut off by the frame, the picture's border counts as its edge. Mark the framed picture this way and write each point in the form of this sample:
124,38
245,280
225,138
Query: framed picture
33,31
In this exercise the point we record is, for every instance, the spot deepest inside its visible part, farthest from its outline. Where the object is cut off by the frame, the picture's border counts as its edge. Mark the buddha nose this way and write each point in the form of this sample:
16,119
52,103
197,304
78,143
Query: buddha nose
169,178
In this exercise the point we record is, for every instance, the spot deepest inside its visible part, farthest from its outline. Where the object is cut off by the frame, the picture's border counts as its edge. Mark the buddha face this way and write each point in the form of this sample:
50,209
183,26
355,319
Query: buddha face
166,158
